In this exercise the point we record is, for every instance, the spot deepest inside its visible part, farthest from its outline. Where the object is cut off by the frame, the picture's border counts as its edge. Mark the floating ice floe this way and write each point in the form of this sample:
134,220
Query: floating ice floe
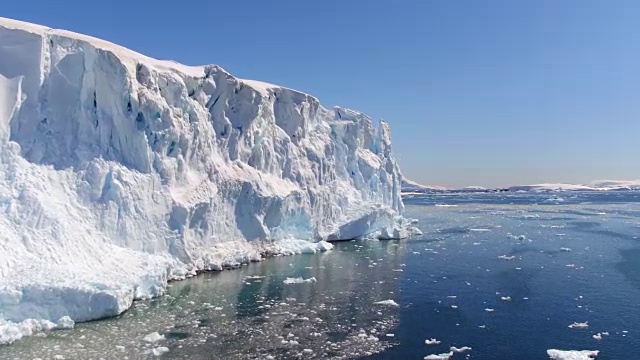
599,335
159,350
299,280
153,337
578,325
432,341
460,350
443,356
505,298
516,237
489,310
565,249
387,303
556,354
505,257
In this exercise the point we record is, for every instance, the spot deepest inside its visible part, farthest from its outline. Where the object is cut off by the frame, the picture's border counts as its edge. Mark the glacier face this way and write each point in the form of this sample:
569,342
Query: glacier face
119,172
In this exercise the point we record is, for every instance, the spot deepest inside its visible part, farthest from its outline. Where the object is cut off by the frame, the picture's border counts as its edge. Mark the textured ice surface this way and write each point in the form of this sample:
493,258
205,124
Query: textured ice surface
119,172
572,354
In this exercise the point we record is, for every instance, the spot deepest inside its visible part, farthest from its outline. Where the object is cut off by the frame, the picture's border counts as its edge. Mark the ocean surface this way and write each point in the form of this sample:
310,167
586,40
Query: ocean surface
505,274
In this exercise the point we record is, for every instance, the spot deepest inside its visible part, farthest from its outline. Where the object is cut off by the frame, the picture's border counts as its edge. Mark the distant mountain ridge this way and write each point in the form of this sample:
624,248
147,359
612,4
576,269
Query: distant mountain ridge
410,186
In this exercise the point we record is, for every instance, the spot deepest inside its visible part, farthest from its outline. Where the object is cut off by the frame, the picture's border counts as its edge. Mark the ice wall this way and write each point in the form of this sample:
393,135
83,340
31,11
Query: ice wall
119,172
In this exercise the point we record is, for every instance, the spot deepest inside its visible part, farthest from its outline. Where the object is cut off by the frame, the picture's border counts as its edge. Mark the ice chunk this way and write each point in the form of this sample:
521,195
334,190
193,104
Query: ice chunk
460,350
65,322
387,303
579,325
432,341
505,257
299,280
153,337
443,356
159,350
555,354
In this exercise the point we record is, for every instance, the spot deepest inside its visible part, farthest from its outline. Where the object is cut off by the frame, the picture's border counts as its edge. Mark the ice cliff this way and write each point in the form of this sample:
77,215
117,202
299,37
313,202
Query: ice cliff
119,172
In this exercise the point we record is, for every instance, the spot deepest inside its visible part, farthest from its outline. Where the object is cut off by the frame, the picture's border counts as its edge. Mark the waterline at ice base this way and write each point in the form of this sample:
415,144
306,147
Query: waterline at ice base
119,173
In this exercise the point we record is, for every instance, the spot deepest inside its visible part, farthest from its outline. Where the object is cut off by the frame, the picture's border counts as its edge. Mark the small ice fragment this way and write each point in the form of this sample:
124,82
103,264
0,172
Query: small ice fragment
217,308
482,326
452,296
153,337
571,265
505,257
432,341
307,351
565,249
59,357
597,336
489,310
387,303
65,323
506,298
443,356
454,306
460,350
577,325
605,333
299,280
160,350
120,347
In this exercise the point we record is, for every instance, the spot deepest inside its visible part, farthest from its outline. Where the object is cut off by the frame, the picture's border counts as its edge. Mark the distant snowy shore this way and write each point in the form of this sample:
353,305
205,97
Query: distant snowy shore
409,187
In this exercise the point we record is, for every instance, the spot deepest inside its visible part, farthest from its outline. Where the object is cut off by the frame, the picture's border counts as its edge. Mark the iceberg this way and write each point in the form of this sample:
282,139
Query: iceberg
119,173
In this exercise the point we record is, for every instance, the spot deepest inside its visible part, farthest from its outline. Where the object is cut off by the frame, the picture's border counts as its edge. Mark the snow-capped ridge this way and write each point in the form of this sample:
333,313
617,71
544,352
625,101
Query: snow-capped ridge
119,173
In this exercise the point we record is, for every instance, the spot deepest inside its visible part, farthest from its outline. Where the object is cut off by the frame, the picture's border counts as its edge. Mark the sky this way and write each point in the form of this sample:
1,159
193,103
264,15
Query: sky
488,93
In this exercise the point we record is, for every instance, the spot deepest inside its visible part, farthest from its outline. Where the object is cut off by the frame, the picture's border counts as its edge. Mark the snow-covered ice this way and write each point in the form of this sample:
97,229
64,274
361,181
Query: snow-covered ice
432,341
153,337
556,354
579,325
119,172
387,303
299,280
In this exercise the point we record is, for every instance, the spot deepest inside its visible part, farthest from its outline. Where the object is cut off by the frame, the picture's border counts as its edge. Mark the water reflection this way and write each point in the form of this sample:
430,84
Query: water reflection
250,313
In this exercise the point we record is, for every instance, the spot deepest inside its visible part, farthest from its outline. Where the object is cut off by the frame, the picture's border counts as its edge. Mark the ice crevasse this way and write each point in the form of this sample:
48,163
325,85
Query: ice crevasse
119,172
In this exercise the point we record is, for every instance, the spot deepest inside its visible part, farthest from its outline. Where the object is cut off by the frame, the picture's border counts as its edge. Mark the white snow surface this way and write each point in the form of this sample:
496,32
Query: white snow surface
119,172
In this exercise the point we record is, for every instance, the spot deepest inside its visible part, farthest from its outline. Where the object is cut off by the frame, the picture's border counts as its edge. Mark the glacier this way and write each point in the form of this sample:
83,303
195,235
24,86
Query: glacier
119,173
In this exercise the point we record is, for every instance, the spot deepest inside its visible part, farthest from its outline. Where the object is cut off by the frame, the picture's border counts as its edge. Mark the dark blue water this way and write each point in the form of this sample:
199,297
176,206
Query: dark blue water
601,286
443,281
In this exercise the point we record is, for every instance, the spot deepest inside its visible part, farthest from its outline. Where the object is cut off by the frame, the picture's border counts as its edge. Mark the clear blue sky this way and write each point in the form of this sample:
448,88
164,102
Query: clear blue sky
477,92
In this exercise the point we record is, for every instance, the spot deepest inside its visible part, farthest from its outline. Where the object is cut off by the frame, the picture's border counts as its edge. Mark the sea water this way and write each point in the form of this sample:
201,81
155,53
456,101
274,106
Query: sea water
505,274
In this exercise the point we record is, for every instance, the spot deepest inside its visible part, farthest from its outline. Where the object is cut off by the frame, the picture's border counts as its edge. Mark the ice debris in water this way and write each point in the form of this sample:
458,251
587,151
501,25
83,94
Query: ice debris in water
565,249
432,341
153,337
505,257
599,335
556,354
505,298
446,356
299,280
159,350
518,237
387,303
578,325
443,356
65,323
